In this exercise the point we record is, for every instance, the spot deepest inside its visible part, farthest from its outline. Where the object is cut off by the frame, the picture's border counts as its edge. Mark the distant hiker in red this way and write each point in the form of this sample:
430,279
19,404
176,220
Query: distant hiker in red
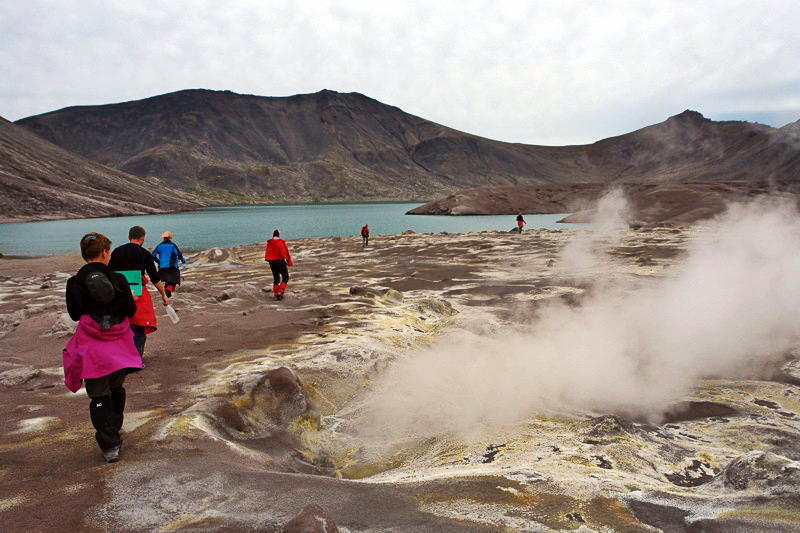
102,351
365,234
520,223
279,260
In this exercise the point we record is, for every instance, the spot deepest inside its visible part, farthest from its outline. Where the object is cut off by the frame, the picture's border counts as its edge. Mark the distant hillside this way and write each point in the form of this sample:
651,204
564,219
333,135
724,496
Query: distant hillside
39,180
528,199
323,146
331,146
690,148
650,203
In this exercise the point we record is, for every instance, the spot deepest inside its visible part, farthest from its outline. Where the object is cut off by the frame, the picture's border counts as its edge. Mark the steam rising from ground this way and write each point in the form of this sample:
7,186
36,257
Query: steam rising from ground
731,310
610,223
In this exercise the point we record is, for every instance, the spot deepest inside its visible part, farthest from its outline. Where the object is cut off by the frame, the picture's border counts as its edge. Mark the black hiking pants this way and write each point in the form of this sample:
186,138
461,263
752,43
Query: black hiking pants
107,407
279,270
139,338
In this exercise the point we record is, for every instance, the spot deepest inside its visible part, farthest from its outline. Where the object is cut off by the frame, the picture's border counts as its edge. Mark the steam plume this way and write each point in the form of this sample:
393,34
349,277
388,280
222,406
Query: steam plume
732,309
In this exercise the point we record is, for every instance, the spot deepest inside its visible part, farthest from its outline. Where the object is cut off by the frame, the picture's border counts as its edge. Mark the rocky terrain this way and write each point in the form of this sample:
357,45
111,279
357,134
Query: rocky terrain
39,181
250,414
672,203
331,146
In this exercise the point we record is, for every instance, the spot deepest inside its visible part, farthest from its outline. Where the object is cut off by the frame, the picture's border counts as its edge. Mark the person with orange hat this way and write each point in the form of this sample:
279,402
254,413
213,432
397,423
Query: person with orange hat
167,254
277,254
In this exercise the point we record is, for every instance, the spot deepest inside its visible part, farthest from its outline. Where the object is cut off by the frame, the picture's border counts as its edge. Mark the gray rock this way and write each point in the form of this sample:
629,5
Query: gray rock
63,326
18,376
312,519
191,286
241,291
432,306
792,369
361,290
280,397
763,470
224,416
217,255
604,427
10,321
393,295
18,316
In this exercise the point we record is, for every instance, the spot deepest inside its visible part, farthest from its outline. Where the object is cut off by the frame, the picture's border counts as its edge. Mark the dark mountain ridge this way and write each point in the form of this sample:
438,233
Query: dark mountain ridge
39,180
333,146
325,145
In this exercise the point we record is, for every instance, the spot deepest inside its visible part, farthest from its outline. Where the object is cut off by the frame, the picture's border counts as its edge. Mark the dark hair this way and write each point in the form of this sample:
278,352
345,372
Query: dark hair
136,232
93,244
276,233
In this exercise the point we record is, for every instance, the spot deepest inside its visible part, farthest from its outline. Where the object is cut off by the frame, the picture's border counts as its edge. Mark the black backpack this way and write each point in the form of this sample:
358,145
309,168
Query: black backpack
100,287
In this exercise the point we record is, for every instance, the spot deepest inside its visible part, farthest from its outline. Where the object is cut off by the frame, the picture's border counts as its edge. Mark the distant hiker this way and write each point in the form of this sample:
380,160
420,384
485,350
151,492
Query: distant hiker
167,254
365,234
520,222
102,351
132,261
277,253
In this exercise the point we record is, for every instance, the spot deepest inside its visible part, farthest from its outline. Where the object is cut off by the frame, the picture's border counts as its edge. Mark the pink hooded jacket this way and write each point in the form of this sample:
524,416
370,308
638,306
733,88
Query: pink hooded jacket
93,352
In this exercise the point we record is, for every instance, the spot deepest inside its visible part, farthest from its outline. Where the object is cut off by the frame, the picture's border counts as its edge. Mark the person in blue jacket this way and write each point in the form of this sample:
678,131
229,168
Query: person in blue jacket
167,254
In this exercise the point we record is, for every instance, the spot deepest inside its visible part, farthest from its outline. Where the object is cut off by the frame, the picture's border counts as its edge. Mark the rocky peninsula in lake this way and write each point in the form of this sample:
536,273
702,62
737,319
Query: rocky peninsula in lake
429,382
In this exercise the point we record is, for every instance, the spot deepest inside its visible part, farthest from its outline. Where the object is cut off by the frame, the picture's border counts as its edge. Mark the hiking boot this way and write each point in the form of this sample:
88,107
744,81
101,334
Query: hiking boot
112,454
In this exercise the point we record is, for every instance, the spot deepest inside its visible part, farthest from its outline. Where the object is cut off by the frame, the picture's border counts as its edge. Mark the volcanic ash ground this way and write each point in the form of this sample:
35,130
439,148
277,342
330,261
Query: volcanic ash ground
625,380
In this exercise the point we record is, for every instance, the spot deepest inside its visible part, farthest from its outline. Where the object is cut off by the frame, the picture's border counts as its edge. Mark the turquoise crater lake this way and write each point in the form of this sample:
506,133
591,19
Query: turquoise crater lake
232,226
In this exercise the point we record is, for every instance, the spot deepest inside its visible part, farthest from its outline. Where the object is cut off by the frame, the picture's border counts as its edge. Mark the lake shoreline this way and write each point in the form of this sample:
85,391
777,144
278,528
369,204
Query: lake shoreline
227,227
211,205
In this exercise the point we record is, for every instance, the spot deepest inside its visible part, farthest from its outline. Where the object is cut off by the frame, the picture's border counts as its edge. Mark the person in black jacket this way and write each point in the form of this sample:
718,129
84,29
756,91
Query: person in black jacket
80,299
102,351
133,257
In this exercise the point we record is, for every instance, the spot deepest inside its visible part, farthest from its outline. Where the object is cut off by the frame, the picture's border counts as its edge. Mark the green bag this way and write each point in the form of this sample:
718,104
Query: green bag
134,278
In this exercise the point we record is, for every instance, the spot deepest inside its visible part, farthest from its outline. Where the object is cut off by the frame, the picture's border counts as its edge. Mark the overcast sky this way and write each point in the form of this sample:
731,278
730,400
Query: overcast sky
542,72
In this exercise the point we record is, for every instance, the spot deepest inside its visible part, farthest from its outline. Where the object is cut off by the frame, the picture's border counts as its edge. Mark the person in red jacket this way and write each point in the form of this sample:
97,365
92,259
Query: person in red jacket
277,254
365,234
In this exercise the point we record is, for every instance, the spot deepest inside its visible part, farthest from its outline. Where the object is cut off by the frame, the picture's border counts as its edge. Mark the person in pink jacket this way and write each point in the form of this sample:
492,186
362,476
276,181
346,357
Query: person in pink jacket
277,254
102,351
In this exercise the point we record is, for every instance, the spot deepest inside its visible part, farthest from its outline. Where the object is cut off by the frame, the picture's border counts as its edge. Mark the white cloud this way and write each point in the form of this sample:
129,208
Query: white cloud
549,72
